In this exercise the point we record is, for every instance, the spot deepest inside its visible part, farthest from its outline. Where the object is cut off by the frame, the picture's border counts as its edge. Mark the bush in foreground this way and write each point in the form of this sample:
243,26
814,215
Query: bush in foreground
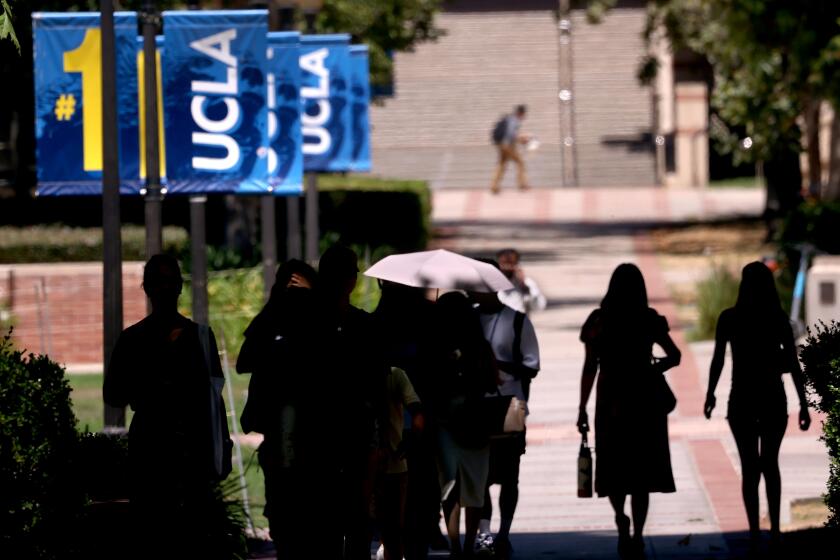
821,359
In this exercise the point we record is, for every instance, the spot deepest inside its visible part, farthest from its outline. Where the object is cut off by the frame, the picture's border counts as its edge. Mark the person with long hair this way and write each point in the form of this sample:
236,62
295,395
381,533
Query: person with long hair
763,348
464,369
277,350
631,420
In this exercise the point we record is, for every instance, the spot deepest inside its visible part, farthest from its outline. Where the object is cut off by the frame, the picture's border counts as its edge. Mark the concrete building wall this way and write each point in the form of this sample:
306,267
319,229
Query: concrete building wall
450,93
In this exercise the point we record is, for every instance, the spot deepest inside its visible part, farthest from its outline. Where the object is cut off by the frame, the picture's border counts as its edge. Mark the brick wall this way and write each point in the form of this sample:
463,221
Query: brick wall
57,309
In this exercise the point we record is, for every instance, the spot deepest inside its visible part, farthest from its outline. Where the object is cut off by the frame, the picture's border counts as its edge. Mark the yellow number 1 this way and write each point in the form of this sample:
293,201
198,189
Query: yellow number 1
86,58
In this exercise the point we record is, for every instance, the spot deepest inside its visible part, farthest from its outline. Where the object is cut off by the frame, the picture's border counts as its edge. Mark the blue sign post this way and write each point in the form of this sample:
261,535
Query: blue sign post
214,76
360,97
285,158
68,103
325,92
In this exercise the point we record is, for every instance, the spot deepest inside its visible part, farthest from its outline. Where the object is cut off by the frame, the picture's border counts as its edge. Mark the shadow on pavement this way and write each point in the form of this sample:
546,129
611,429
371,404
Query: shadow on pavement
601,545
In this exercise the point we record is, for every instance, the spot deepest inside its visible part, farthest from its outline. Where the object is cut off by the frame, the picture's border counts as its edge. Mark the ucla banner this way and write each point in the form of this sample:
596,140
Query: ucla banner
360,98
214,76
325,92
285,155
68,102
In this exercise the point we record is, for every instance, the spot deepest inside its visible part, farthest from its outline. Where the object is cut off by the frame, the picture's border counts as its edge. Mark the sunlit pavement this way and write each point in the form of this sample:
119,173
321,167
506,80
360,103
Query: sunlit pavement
571,240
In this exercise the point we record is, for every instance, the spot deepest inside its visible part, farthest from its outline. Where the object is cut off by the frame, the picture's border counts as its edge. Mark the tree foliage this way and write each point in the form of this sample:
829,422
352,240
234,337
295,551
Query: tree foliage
386,26
7,29
769,58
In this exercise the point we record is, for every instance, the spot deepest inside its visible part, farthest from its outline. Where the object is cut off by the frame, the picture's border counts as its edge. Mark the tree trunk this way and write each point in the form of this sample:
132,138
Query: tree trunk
832,189
783,177
812,139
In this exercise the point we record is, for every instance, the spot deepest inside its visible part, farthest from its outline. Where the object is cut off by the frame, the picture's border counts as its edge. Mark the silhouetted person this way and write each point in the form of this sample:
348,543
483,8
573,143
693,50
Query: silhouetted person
352,374
404,321
392,480
525,296
277,351
161,369
465,371
508,148
514,342
631,427
763,349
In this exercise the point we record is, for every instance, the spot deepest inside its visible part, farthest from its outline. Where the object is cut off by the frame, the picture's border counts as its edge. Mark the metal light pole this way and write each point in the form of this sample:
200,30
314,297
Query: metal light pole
198,246
112,311
284,19
154,193
568,149
310,11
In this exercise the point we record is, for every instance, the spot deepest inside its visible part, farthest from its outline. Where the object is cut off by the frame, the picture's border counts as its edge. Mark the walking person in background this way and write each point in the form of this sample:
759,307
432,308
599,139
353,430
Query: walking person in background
763,349
631,415
514,342
162,367
507,136
525,296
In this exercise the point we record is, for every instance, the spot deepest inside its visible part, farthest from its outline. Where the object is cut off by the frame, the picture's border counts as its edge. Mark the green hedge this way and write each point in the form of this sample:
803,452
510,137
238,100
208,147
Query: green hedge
56,243
817,223
366,211
821,359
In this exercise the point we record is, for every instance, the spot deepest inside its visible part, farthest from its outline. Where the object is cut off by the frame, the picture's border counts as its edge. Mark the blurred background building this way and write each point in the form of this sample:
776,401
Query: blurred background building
579,82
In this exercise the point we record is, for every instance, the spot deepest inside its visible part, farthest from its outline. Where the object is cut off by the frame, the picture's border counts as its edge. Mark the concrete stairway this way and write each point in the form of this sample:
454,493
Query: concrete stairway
449,94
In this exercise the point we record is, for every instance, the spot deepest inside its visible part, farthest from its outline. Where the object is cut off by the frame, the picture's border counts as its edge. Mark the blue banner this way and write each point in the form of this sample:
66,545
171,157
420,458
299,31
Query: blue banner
68,102
360,97
326,120
285,155
214,76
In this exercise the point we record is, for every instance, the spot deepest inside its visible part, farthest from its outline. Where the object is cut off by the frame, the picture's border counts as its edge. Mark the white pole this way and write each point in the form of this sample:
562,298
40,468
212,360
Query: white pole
235,430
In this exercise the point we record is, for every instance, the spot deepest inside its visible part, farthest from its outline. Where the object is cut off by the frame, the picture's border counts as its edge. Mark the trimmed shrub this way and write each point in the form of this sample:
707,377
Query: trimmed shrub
817,223
366,211
57,243
821,359
40,500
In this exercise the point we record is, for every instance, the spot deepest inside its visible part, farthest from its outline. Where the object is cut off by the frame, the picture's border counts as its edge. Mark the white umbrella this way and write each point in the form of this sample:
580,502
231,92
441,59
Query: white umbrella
440,269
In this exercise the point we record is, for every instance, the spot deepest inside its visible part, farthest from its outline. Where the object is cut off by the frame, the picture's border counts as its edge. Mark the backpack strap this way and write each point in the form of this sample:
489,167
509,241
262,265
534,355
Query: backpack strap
518,321
204,339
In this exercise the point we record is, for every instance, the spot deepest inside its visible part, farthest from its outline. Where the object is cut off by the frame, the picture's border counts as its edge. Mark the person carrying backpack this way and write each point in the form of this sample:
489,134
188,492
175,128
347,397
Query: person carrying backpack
167,368
514,342
506,135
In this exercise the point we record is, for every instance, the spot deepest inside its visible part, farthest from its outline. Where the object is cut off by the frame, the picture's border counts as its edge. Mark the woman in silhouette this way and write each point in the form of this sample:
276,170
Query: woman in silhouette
464,371
277,352
631,422
763,349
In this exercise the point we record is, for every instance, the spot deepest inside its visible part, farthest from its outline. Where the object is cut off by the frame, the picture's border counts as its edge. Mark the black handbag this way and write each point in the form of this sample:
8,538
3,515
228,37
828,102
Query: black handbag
663,396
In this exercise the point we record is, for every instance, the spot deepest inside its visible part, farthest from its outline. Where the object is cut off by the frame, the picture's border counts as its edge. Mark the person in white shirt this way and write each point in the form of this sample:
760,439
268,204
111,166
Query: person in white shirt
525,296
514,342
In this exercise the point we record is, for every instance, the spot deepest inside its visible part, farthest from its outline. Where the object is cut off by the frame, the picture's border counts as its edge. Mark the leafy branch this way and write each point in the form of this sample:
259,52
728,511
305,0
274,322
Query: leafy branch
7,30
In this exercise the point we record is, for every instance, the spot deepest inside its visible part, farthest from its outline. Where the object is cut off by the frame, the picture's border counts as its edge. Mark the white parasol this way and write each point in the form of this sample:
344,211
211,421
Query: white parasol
440,269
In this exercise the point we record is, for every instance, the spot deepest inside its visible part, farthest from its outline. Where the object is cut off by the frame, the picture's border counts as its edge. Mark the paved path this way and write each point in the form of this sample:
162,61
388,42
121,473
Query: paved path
571,240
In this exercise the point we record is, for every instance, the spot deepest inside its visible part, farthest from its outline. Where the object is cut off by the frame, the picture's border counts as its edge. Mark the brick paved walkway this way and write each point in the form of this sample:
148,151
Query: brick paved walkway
571,240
